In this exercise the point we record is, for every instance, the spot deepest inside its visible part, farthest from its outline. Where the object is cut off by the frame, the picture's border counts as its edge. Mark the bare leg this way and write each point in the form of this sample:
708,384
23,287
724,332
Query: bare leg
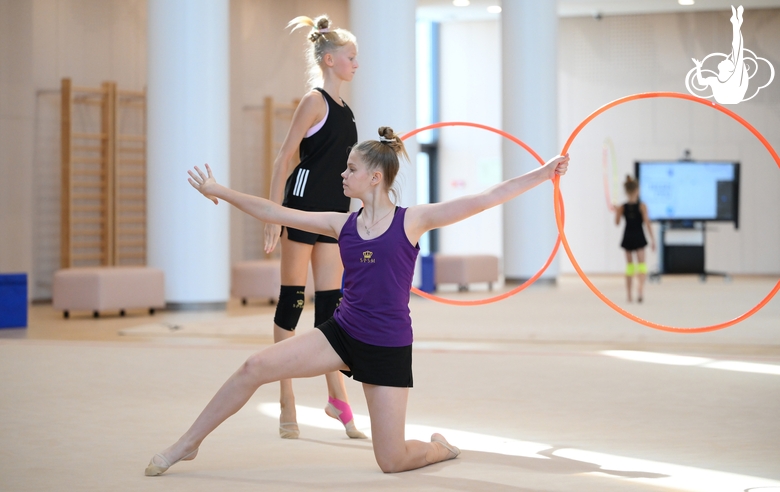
288,426
640,279
328,271
387,407
294,270
305,356
629,278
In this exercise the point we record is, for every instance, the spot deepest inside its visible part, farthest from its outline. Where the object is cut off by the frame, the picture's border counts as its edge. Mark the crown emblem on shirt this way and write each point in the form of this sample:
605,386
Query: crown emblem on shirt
368,257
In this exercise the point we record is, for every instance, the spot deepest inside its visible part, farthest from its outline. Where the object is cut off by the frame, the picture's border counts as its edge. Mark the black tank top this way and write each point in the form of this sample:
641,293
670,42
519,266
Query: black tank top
633,216
316,184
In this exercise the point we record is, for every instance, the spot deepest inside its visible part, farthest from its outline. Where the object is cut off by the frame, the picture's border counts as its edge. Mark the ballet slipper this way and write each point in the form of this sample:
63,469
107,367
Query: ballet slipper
454,452
286,430
341,411
153,469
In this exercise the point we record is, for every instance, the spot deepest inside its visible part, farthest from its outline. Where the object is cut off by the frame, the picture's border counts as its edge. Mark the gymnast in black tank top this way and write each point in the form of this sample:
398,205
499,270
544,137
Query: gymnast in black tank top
322,131
634,212
315,184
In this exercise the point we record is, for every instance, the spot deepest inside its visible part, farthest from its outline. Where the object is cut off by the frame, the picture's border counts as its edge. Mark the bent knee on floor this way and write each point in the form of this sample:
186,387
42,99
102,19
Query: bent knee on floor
391,464
390,468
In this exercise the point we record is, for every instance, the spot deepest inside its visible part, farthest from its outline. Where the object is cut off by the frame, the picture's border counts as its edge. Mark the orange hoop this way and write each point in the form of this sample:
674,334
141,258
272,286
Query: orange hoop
538,274
558,203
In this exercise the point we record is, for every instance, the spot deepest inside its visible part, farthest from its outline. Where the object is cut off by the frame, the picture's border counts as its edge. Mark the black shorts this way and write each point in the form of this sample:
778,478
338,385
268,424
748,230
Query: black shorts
306,237
300,236
370,364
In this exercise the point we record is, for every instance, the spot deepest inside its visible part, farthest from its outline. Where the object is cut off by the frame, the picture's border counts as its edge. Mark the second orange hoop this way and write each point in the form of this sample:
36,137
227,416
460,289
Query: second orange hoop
558,202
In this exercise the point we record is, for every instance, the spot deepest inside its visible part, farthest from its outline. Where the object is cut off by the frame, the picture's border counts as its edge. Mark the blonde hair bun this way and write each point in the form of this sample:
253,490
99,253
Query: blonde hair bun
324,39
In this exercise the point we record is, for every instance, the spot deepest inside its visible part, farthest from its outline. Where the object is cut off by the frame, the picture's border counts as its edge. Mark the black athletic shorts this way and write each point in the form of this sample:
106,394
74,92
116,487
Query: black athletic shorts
306,237
370,364
300,236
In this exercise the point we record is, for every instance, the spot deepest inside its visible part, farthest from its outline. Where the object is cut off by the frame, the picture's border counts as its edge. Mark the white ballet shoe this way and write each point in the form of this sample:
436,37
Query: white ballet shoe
153,469
454,451
286,430
353,432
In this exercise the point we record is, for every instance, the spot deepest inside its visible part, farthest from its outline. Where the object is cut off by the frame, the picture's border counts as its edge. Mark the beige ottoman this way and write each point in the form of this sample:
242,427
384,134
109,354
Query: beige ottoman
465,269
260,279
99,289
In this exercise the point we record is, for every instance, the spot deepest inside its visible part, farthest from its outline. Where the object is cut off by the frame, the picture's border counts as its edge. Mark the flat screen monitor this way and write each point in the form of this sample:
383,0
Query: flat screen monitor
689,190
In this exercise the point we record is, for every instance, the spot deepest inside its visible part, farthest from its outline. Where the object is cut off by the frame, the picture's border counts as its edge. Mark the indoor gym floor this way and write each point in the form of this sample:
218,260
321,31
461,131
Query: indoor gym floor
549,390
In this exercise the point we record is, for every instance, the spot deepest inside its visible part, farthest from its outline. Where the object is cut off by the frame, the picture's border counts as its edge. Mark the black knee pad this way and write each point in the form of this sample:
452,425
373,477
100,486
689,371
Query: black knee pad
325,304
290,306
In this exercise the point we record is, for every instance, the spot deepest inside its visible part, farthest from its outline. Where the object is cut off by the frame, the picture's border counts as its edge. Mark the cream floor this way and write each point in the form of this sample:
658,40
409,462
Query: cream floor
525,386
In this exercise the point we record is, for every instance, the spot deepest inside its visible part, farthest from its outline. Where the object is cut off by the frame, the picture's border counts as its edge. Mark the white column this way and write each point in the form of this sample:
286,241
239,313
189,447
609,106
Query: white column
529,47
188,125
384,87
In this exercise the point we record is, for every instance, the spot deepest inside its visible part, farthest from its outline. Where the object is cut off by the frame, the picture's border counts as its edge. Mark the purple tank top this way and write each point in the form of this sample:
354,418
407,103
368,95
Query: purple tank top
377,278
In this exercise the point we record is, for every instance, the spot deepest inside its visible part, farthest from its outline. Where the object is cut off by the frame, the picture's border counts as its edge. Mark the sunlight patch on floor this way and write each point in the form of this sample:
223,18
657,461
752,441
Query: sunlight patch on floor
316,417
685,360
664,475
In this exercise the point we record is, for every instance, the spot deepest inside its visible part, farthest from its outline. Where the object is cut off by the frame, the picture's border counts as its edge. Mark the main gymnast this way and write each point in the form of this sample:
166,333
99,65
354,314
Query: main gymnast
323,130
370,335
634,241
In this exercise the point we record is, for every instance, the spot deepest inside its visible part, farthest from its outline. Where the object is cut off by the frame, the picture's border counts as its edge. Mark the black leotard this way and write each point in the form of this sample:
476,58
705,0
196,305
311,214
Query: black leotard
634,234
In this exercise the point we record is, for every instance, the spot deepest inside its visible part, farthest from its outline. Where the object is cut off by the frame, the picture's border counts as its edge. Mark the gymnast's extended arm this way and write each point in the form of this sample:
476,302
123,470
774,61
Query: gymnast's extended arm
423,218
328,223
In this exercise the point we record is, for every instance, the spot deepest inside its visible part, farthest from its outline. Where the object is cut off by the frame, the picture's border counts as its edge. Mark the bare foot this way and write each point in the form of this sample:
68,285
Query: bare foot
441,450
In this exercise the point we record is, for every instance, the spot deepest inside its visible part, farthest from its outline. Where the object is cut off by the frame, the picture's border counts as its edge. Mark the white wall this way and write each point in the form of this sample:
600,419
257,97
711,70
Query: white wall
91,41
600,61
470,158
603,60
17,103
42,41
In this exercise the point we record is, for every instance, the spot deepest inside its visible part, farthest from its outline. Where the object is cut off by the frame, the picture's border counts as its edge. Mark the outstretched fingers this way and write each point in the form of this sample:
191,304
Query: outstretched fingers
198,180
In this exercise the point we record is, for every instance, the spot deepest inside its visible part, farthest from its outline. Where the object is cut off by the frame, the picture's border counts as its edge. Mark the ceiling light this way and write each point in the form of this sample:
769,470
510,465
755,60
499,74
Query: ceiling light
686,2
461,3
494,9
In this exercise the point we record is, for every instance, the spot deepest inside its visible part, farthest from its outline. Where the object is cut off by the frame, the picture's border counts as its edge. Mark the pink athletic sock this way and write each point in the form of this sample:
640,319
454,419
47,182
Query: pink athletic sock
346,412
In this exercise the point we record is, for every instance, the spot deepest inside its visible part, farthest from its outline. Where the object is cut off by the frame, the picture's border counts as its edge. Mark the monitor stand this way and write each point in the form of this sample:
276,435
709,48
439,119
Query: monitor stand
681,250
